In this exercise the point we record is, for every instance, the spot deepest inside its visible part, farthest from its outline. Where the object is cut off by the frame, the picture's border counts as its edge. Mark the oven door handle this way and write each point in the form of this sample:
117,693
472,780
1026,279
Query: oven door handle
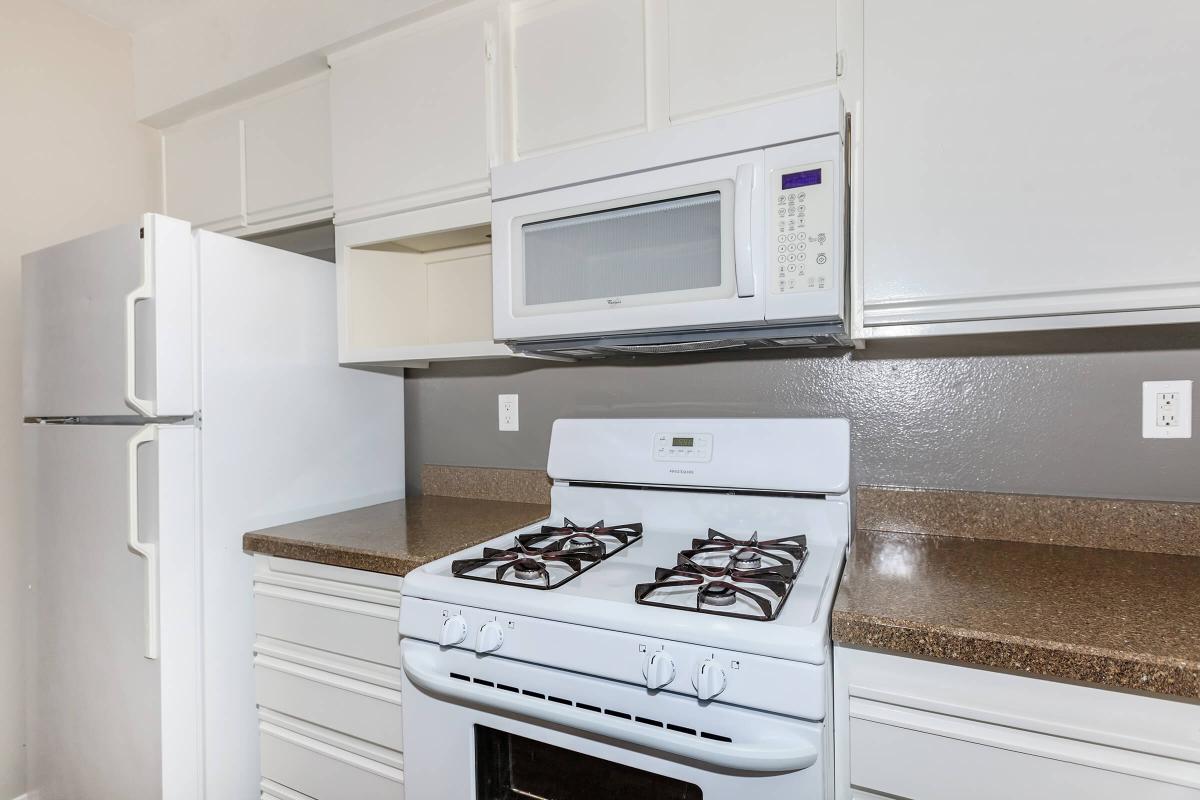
778,754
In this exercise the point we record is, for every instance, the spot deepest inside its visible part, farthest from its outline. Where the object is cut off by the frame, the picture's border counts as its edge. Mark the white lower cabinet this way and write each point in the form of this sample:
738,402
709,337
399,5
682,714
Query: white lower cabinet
327,682
922,730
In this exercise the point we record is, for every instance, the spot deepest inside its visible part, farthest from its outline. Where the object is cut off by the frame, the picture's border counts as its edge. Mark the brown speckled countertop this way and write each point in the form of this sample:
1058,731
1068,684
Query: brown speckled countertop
1115,618
396,537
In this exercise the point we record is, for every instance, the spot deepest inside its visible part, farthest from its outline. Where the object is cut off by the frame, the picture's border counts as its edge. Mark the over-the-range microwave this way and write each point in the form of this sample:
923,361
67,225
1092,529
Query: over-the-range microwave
720,233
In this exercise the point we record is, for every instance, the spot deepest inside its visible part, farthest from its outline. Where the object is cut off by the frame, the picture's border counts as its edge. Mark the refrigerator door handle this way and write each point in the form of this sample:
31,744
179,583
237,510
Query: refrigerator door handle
143,292
147,550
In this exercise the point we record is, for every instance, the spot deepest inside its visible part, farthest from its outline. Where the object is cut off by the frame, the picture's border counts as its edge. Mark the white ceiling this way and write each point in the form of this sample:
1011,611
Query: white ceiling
128,15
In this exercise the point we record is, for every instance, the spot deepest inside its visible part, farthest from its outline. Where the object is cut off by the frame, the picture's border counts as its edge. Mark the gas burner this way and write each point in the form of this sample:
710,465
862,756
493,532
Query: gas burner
746,558
716,594
757,594
526,569
605,540
534,568
585,540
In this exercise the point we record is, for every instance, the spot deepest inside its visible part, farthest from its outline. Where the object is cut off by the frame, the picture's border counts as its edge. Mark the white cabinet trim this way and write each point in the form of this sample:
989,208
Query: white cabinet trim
328,679
275,791
1140,736
331,744
1031,743
278,650
334,602
1000,304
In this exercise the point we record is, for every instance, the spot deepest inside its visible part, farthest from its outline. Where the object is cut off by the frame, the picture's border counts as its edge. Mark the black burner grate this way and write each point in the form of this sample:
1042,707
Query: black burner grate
771,566
527,562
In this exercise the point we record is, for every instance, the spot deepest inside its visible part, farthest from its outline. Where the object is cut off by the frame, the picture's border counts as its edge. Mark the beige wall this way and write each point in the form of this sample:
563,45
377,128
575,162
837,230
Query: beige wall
212,53
71,160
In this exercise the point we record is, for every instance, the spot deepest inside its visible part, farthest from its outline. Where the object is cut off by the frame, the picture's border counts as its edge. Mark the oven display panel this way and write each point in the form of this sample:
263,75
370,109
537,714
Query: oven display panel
687,447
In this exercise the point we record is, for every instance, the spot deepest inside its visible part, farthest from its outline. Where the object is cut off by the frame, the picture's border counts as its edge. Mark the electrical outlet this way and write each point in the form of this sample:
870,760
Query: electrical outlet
509,418
1167,410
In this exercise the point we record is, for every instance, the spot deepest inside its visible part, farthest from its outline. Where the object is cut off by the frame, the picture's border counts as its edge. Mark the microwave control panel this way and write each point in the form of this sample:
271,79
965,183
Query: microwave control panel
802,224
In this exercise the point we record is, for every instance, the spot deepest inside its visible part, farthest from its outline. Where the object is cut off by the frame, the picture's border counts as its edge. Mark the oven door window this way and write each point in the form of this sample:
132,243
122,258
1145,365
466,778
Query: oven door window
510,767
657,247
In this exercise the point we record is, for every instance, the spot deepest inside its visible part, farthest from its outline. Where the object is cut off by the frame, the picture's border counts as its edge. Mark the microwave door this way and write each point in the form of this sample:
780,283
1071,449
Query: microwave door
677,247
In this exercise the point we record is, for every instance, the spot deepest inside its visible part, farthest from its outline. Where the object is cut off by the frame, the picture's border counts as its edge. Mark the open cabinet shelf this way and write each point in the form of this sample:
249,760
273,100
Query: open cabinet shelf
417,287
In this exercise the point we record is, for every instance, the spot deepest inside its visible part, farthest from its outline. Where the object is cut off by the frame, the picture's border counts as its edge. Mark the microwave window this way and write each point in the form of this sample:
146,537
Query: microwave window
511,767
808,177
661,246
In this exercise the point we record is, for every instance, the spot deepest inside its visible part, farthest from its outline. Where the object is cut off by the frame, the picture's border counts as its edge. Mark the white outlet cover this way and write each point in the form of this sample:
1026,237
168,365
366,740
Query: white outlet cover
510,419
1150,427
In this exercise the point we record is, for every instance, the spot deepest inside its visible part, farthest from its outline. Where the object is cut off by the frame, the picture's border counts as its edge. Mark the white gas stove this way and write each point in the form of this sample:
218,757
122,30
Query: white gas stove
665,630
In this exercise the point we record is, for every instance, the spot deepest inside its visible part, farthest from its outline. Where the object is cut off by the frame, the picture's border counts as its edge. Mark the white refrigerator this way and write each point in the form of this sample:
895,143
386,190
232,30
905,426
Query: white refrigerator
180,388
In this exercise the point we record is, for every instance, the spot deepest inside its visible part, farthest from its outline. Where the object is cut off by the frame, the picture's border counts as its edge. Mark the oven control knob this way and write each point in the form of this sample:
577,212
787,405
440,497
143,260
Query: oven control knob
491,636
454,631
709,679
659,670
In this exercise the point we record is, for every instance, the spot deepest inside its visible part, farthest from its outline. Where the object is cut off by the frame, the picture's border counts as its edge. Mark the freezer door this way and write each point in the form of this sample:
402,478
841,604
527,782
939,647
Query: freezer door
109,324
114,695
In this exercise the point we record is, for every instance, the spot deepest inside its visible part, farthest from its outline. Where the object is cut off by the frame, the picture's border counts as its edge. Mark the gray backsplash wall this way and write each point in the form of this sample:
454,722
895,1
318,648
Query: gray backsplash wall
1052,413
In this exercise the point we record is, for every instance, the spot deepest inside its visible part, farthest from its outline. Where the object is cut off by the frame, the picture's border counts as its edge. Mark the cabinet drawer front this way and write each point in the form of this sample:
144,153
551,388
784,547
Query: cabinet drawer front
951,759
274,791
356,584
368,631
361,710
323,772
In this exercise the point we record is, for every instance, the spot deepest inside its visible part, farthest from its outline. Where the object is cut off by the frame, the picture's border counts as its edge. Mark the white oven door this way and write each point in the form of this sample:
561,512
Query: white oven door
675,247
493,729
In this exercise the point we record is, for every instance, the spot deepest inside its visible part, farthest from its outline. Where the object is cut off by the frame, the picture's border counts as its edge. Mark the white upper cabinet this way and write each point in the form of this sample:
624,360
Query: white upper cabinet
586,70
1029,164
260,165
413,115
288,171
578,71
726,54
202,163
417,287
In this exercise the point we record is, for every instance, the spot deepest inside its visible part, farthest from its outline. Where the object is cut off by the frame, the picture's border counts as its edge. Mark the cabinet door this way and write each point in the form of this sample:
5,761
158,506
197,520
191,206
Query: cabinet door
288,172
411,116
1024,160
202,172
579,71
723,54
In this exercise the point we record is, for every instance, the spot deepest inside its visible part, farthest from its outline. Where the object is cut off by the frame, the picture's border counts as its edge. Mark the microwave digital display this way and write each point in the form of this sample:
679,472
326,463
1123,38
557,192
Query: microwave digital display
681,441
809,177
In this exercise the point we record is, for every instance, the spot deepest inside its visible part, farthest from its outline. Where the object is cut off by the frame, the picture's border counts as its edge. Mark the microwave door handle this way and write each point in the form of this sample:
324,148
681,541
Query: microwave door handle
743,250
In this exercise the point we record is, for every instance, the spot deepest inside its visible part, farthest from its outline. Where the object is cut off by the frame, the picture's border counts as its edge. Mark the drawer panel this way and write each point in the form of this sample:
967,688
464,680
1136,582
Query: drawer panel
328,579
321,771
274,791
362,710
983,762
368,631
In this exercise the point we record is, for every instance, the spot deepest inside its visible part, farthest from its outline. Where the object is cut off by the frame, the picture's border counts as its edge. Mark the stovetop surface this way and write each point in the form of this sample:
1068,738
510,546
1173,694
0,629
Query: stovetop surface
603,594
